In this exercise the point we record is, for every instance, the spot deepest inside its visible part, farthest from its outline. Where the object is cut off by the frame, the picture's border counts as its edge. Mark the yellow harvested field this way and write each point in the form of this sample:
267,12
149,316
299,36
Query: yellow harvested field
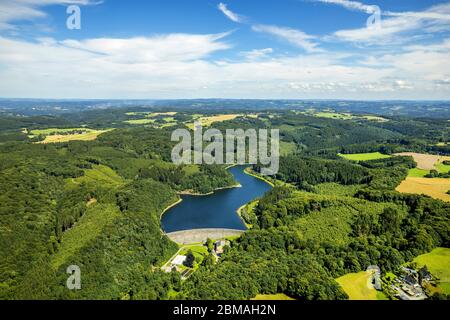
86,136
208,121
436,187
425,161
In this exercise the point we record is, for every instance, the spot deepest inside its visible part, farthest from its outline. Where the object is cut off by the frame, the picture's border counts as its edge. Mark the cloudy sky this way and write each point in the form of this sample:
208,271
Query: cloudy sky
306,49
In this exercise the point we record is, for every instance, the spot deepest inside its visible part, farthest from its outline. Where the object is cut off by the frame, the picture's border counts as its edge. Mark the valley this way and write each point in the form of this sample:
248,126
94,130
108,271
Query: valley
346,197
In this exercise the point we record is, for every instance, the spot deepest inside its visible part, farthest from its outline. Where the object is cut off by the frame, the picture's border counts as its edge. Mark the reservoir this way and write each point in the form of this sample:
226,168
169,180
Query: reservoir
217,210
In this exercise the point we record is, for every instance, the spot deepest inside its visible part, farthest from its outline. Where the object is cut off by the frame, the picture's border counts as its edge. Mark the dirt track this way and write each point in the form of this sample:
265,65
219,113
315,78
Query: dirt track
425,161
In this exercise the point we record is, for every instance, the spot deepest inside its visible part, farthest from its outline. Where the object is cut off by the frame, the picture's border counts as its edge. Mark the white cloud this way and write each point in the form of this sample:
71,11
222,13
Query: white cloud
352,5
172,47
296,37
176,65
395,27
443,46
257,53
180,65
230,14
19,10
436,12
389,31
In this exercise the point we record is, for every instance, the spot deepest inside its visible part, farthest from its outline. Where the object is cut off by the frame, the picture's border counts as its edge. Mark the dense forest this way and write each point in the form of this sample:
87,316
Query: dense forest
97,204
115,188
302,241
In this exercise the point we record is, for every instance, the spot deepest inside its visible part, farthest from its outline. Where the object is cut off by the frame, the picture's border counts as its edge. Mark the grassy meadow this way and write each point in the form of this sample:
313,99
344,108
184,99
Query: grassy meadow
417,173
140,121
358,287
345,116
57,135
364,156
99,174
438,263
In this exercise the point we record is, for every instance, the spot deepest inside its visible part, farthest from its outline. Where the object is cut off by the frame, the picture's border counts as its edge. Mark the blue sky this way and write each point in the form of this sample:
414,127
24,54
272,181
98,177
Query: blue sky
230,49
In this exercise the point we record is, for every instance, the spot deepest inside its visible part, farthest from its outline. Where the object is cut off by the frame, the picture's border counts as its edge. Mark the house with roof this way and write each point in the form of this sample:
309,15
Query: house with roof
219,246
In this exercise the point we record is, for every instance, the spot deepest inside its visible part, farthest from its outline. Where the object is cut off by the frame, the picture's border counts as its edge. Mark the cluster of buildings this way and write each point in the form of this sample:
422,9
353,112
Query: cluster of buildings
178,261
409,285
219,246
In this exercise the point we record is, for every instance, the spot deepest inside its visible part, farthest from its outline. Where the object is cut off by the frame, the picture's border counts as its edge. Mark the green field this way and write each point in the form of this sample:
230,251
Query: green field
420,173
99,174
355,285
417,173
364,156
140,121
166,121
438,263
198,250
375,118
333,115
442,168
287,148
345,116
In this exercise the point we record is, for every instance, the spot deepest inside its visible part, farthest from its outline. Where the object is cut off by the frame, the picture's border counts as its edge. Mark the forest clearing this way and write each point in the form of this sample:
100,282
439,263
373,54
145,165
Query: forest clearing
436,188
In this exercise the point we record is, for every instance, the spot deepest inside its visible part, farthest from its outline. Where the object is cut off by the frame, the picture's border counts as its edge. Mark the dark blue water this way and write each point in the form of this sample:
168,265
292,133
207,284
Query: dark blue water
217,210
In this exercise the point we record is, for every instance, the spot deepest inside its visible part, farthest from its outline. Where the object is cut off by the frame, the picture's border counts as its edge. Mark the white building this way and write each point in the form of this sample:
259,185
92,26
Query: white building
179,260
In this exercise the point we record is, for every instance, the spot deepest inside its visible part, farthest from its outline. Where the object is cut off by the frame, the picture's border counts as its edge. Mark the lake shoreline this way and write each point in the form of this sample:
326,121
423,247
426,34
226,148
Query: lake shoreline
251,173
170,206
240,184
190,193
239,213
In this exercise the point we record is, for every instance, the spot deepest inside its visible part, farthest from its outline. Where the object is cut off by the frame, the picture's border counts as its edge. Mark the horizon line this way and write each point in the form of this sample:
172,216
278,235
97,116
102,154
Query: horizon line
249,99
